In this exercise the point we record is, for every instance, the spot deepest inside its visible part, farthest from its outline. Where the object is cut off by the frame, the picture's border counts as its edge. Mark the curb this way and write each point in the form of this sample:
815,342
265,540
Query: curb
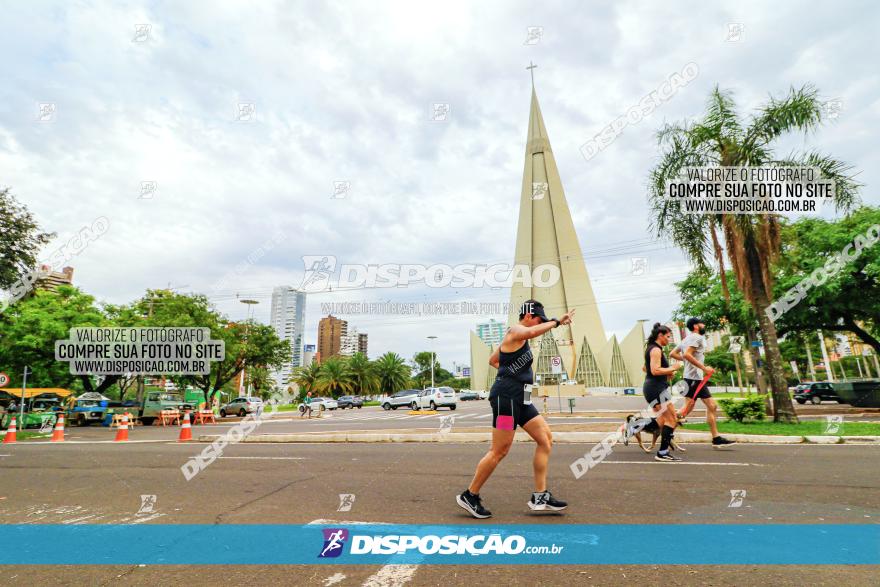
559,437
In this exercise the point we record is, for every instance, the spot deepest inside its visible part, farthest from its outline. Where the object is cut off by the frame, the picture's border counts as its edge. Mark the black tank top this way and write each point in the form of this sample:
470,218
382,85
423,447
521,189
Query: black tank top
516,366
663,363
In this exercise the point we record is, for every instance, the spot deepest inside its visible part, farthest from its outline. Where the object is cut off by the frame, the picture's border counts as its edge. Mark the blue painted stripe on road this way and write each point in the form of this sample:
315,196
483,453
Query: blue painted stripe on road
166,544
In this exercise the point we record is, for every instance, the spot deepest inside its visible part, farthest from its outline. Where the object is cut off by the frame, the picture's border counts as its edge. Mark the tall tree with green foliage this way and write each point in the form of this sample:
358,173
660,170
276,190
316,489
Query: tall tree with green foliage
849,300
751,242
393,373
363,374
246,343
20,240
29,329
335,377
306,378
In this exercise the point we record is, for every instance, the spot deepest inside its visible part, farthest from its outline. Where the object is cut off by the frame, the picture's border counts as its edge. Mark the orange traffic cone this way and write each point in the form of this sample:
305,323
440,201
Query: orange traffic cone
185,429
122,431
10,433
58,433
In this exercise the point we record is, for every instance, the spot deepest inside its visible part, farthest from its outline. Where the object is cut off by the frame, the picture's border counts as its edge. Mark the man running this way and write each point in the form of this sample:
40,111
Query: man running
692,352
512,406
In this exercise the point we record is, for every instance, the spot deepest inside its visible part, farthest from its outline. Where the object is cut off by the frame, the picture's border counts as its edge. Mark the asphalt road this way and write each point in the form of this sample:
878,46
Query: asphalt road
101,483
471,415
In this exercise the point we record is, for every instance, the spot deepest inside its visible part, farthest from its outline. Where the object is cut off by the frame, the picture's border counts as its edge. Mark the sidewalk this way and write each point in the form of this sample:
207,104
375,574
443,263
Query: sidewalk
559,436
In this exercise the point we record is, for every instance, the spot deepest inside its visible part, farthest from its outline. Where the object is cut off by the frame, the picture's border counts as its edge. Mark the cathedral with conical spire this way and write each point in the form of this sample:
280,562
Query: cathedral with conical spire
546,236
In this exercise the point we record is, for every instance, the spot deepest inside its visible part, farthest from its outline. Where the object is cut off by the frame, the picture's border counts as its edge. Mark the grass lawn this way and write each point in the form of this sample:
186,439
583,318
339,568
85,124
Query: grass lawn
808,428
734,394
24,435
289,408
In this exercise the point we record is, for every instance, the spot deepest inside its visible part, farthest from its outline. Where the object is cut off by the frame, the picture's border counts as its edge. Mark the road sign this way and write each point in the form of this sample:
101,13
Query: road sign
757,343
4,379
734,348
556,365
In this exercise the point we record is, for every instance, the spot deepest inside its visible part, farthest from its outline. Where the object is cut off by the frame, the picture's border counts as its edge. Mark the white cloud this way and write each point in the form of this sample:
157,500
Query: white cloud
343,92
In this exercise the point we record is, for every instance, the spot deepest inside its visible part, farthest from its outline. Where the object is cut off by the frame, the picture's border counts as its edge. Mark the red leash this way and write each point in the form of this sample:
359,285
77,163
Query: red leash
702,384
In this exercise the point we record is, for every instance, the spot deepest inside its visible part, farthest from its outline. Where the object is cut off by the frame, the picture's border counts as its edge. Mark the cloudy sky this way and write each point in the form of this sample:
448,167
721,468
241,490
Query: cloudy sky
344,92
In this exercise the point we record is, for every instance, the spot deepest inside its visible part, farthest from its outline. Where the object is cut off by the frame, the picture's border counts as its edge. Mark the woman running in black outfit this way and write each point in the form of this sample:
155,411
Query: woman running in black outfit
656,388
513,359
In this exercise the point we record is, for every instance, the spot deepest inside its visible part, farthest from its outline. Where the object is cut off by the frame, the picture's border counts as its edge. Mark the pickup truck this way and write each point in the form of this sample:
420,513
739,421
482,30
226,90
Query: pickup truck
156,401
90,408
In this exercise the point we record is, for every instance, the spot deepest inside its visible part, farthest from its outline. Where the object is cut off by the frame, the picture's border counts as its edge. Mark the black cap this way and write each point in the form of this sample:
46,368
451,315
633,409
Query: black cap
693,322
535,308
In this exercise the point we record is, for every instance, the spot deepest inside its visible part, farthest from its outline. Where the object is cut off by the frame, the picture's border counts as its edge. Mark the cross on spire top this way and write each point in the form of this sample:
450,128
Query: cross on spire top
531,69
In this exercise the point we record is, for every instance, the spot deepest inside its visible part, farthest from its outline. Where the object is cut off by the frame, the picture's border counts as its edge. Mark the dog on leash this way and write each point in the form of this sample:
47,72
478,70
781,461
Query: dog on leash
632,427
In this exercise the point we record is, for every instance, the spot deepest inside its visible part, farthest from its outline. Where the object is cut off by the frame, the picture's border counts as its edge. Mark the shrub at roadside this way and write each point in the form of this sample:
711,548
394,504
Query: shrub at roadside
751,408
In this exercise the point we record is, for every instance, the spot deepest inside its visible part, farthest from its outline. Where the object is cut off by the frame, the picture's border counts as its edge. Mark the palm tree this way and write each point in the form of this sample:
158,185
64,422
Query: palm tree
751,241
363,374
335,377
393,372
307,377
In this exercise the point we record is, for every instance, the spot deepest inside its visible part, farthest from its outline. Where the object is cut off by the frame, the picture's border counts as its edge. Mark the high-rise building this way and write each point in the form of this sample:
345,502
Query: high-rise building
546,236
50,280
353,342
331,331
288,319
308,354
491,332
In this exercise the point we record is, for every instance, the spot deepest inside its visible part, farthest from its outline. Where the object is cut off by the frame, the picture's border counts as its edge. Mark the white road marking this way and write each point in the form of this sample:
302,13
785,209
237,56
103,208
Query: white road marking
268,458
683,463
77,520
388,575
334,579
392,576
140,519
67,442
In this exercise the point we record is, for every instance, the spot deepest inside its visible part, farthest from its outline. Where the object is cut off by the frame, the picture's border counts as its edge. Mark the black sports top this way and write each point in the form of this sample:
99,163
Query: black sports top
663,363
516,366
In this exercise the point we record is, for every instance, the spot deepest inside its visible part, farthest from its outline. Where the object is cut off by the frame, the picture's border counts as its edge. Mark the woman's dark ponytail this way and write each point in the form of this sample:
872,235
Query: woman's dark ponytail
656,331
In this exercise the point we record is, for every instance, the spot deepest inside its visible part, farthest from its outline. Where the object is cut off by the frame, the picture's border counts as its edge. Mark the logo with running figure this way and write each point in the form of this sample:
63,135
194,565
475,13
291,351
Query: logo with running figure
334,541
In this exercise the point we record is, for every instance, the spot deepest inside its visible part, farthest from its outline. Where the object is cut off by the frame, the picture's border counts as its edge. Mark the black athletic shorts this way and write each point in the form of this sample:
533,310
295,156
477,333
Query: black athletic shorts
652,391
693,384
508,409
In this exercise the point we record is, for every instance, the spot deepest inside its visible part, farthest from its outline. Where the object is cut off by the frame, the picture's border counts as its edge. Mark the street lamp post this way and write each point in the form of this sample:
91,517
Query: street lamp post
23,390
433,355
247,328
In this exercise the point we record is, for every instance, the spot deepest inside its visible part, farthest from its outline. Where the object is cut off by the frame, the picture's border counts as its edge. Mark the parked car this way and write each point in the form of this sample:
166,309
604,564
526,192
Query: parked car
816,393
467,395
433,398
320,404
862,394
241,406
350,401
401,398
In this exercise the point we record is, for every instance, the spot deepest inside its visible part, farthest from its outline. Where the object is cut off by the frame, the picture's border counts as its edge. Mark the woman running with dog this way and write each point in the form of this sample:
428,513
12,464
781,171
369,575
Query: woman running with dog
656,388
512,406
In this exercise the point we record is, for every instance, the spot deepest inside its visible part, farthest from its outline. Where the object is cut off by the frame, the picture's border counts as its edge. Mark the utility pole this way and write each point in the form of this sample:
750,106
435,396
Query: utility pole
810,359
433,358
23,389
828,370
